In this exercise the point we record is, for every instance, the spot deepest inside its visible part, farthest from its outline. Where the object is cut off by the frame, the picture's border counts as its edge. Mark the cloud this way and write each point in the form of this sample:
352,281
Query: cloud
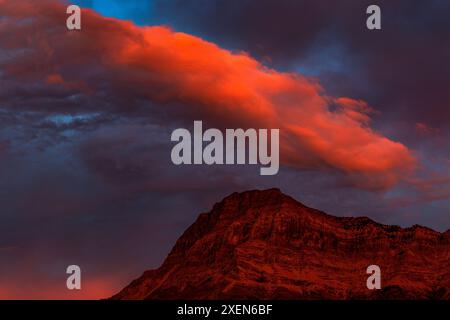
403,71
189,78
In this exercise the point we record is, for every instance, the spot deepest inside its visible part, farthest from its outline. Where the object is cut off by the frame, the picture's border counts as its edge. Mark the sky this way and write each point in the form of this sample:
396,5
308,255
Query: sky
86,117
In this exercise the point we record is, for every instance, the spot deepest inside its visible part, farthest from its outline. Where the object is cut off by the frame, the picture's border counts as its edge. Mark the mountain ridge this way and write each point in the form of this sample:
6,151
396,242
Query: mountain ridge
262,244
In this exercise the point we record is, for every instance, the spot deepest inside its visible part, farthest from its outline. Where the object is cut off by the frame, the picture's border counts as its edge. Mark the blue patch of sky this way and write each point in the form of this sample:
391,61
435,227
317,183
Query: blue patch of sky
66,119
138,11
142,13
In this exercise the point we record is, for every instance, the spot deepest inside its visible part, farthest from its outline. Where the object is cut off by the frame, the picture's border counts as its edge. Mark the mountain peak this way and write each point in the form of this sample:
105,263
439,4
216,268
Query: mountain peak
238,202
262,244
253,197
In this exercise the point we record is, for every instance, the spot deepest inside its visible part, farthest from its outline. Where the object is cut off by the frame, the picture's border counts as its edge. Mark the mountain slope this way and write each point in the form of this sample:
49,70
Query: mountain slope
266,245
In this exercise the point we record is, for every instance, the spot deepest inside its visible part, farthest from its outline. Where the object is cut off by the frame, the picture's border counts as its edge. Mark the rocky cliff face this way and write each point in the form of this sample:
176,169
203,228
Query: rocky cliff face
266,245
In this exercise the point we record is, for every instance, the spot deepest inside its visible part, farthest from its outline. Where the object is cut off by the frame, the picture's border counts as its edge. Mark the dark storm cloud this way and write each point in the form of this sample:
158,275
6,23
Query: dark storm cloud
402,70
123,68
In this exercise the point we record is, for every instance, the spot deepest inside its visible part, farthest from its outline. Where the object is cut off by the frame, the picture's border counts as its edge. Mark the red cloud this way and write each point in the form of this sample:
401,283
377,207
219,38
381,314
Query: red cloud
213,84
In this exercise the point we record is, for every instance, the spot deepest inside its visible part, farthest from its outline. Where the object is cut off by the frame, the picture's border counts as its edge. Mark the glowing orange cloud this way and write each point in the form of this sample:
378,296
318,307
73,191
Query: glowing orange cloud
214,85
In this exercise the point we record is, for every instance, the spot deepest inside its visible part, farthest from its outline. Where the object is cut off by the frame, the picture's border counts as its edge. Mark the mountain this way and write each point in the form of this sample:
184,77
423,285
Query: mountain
266,245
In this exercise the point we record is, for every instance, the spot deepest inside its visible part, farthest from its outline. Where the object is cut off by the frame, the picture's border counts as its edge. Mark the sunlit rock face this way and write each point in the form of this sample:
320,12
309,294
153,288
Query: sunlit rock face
266,245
